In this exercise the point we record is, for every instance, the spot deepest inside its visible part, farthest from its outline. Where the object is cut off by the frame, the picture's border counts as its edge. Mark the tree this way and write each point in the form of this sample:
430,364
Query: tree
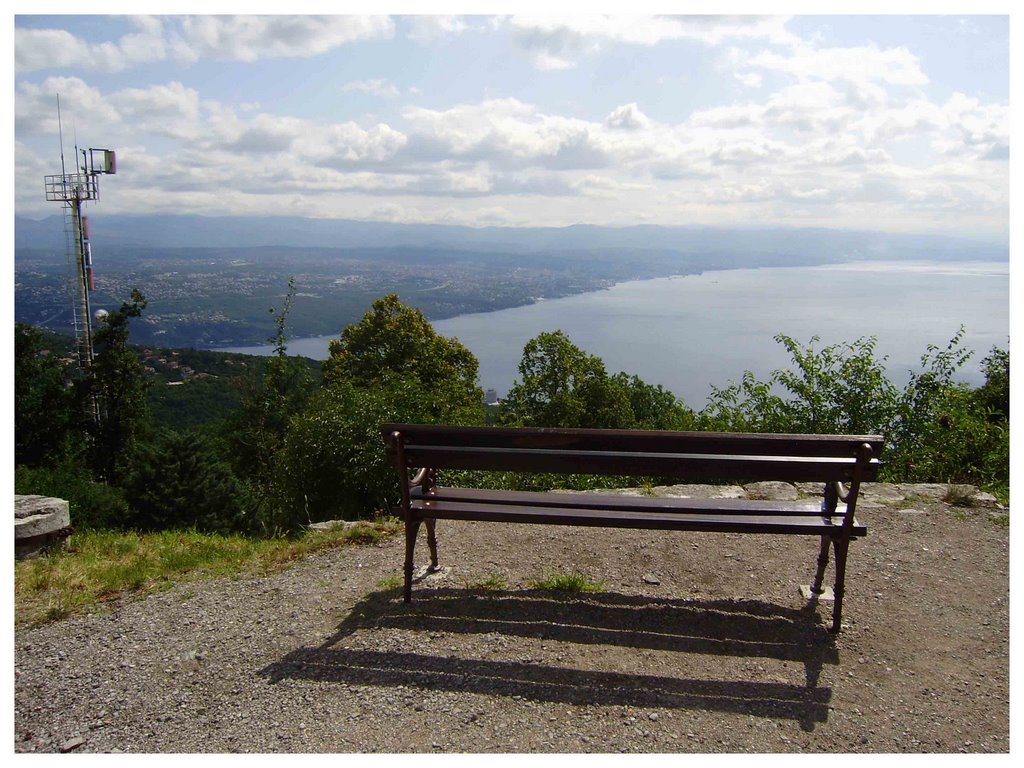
840,388
177,481
563,386
396,341
994,394
654,407
256,431
944,431
47,412
936,429
117,384
333,464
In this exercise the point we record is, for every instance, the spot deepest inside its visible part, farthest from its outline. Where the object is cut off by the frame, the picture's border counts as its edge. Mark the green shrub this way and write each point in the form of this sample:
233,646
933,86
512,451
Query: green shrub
944,431
841,388
333,463
936,429
177,481
47,410
92,505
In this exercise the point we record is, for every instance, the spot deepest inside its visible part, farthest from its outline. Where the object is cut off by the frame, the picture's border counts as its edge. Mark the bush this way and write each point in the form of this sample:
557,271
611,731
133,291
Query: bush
93,505
47,408
944,431
177,481
333,464
840,388
936,429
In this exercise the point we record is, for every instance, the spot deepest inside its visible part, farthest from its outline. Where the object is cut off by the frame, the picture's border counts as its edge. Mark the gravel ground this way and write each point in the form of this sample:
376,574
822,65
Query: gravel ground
696,643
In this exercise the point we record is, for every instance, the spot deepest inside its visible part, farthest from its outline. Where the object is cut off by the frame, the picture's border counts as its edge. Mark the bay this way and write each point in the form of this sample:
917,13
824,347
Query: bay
690,332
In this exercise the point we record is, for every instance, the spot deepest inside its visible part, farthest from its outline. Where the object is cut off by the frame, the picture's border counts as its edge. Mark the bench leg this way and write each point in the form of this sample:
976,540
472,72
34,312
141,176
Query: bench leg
432,541
412,527
841,548
816,588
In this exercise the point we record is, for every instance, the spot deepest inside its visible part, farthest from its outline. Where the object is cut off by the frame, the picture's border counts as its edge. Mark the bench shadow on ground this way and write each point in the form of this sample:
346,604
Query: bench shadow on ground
715,628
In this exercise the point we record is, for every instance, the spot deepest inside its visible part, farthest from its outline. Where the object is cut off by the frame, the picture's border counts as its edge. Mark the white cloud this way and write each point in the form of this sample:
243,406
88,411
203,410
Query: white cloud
628,117
851,137
648,30
36,49
895,66
810,107
376,87
978,125
914,119
594,185
729,118
548,62
507,133
749,79
35,106
429,28
169,110
191,38
554,42
248,38
343,145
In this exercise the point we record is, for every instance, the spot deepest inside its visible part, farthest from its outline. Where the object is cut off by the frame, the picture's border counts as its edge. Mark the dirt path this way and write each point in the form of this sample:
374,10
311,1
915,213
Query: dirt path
696,643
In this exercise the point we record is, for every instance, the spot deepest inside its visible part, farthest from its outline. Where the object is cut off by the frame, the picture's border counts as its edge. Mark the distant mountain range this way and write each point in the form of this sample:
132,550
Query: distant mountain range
125,231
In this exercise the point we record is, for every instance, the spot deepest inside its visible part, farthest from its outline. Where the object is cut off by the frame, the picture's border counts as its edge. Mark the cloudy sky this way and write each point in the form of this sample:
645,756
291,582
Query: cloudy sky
882,122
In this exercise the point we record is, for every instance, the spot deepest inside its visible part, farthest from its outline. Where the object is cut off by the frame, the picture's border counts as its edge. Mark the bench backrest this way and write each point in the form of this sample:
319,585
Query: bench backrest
679,455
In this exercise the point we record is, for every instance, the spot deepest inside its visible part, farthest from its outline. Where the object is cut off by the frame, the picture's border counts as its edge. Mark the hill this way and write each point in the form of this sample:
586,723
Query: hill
191,231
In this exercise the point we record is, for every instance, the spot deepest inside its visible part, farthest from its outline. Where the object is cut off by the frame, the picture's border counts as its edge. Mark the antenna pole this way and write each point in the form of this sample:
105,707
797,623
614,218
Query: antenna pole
72,190
60,132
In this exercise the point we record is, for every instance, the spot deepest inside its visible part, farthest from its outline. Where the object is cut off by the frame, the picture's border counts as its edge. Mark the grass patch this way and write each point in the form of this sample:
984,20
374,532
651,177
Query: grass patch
567,581
959,496
1001,492
391,582
494,581
95,567
368,533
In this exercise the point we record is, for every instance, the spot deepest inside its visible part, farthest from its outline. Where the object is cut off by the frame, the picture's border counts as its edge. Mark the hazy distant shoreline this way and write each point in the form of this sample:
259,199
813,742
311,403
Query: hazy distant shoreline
672,330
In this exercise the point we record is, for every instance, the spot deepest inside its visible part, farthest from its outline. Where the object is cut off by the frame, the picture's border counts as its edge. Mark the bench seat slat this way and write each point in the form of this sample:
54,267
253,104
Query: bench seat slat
696,521
569,499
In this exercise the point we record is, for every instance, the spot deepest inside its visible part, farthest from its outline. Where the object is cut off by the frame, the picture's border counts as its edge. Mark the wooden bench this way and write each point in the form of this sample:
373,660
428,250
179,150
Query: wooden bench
833,460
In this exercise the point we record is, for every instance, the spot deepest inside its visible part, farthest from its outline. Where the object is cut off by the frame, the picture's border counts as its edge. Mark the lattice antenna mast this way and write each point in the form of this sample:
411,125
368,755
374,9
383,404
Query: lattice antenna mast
72,190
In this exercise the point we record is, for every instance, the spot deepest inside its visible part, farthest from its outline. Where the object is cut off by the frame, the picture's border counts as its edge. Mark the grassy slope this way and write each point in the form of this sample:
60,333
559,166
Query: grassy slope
96,567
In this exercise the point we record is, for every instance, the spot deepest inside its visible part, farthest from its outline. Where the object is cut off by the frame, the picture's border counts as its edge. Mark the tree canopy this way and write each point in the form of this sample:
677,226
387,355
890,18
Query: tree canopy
394,341
563,386
117,384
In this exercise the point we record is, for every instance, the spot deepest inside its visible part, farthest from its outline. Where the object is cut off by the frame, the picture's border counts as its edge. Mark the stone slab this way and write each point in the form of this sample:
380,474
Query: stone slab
328,525
882,493
775,490
826,596
428,573
925,490
811,489
698,491
39,516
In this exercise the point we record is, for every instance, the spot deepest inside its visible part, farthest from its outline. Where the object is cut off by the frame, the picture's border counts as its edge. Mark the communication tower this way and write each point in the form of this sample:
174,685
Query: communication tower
72,190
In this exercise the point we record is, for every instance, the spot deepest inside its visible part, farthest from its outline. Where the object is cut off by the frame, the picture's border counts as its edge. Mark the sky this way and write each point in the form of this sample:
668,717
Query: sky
891,122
